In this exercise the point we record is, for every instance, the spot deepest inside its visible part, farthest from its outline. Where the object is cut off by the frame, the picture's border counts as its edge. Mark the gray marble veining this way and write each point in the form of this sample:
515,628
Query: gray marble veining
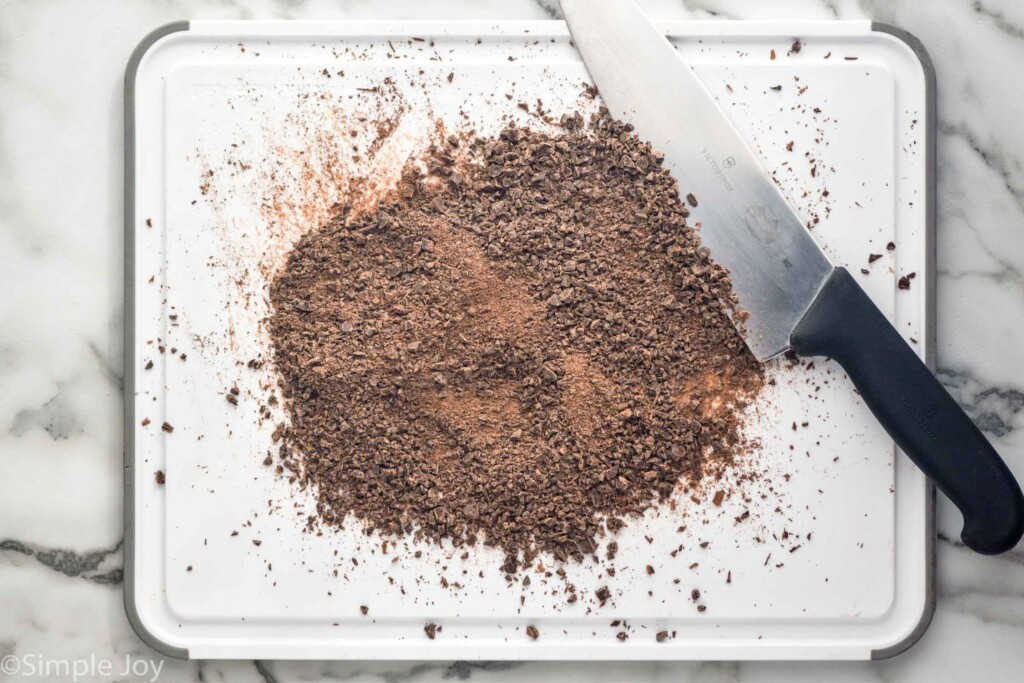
60,320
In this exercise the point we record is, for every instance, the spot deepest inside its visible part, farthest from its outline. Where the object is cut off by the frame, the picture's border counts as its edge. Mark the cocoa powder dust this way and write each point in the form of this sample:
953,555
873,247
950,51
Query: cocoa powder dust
523,345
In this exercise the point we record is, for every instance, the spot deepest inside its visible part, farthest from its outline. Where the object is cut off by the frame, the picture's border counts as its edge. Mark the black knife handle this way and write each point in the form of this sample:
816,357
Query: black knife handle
919,414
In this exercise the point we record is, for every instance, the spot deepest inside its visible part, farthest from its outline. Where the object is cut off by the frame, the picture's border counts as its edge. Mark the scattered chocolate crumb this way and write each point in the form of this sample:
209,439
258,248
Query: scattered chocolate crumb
532,632
873,257
622,635
161,478
603,594
773,54
865,271
257,542
776,88
166,426
149,365
145,422
702,608
430,630
796,47
891,246
661,636
149,222
364,609
719,497
650,570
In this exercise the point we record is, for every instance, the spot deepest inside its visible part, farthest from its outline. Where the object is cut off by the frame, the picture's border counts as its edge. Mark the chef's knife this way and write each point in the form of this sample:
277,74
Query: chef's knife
795,298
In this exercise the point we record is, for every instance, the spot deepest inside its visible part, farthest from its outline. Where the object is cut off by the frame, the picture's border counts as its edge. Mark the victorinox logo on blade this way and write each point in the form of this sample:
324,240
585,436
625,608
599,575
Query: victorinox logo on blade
729,162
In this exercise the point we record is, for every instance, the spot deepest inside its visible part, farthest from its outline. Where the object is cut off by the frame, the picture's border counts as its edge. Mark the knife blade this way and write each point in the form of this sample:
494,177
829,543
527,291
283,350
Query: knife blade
776,266
792,295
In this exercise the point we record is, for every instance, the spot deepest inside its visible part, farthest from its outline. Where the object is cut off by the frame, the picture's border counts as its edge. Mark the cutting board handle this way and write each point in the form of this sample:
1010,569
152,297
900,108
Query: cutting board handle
919,414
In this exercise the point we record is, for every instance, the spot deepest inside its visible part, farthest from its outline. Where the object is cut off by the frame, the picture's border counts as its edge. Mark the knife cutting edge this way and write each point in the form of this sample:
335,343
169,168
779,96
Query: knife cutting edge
792,295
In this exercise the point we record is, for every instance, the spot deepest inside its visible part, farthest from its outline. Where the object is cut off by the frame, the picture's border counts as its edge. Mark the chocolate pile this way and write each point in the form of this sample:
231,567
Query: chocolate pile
522,345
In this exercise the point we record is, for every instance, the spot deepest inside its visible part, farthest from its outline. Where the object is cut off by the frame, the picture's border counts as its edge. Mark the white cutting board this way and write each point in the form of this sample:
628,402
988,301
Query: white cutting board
241,135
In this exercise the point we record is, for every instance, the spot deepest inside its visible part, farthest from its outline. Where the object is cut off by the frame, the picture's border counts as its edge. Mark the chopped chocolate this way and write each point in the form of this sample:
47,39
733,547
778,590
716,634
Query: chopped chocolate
873,257
475,357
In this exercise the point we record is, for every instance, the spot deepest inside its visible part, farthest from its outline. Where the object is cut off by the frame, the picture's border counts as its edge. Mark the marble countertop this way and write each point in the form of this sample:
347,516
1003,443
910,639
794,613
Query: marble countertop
61,65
